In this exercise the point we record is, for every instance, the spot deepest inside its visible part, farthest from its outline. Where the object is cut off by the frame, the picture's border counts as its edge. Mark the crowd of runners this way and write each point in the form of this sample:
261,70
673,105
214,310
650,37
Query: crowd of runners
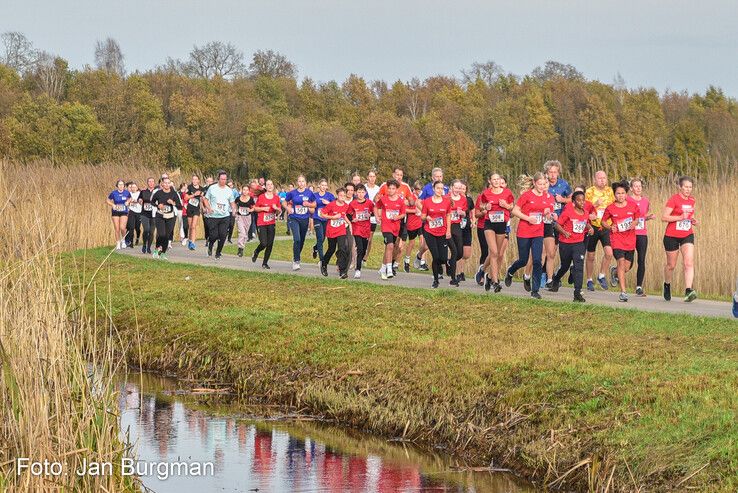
542,212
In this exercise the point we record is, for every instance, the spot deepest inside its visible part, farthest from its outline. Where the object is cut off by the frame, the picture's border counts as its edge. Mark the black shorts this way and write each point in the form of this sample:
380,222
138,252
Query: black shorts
411,235
403,229
389,238
119,213
549,231
626,254
498,228
192,210
466,236
600,235
373,227
672,244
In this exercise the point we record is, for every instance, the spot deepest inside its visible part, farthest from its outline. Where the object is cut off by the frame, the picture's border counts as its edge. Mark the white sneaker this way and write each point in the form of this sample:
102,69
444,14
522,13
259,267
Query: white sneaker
416,262
357,274
170,244
384,275
390,274
117,246
295,265
184,242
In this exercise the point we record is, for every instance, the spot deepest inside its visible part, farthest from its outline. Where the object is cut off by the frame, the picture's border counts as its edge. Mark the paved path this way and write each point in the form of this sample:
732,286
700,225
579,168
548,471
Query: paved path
706,308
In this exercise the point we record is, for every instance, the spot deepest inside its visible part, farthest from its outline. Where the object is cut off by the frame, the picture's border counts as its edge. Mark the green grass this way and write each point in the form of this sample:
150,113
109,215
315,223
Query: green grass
536,386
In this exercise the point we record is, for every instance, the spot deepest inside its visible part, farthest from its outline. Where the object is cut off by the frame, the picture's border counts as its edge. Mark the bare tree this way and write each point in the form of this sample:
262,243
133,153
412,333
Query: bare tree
215,59
19,53
489,72
109,57
556,70
271,64
50,75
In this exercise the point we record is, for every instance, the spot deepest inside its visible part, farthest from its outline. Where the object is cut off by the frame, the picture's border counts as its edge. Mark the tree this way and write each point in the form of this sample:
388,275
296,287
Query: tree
489,72
215,59
271,64
19,53
554,70
600,131
51,75
109,57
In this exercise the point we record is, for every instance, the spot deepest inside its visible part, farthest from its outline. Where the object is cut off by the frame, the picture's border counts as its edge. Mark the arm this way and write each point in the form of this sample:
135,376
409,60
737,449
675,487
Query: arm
517,212
448,225
667,217
561,230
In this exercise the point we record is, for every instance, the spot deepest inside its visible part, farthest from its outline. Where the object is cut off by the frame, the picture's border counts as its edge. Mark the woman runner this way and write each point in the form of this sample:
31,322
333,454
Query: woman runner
322,198
147,215
118,200
244,207
459,207
267,208
192,198
679,237
165,200
466,233
133,225
621,219
480,212
636,196
497,202
337,233
414,226
298,203
362,211
436,214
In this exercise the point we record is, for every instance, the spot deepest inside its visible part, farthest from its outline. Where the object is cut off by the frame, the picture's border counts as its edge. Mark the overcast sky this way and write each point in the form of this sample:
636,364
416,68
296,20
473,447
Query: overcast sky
666,44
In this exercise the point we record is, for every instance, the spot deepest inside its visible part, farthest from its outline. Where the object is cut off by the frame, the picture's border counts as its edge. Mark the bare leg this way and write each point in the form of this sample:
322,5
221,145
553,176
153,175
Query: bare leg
606,259
688,259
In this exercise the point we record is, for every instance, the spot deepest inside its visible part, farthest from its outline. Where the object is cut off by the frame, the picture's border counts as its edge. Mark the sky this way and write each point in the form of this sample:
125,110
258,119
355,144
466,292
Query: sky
665,44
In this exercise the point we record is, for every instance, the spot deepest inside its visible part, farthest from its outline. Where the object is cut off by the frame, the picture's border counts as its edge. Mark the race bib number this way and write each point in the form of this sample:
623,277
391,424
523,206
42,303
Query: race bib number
337,223
301,209
436,222
119,207
625,224
684,225
268,217
641,223
578,226
496,217
600,213
194,202
392,214
220,207
454,215
548,221
135,208
464,222
166,209
537,217
557,206
244,211
362,215
147,207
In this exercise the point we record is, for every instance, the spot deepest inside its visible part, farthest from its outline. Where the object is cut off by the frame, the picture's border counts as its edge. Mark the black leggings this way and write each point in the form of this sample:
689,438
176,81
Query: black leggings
186,226
133,225
361,246
339,246
219,232
641,247
266,241
456,245
484,249
572,253
438,247
206,229
148,224
164,229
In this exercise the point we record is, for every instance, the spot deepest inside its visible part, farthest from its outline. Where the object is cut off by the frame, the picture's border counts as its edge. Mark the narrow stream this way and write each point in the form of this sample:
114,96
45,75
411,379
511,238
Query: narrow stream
256,452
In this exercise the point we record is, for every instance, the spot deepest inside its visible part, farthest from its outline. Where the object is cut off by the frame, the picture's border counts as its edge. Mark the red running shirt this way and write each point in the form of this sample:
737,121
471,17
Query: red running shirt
478,206
335,227
362,213
435,223
532,205
458,205
497,214
680,205
267,218
622,218
573,223
391,210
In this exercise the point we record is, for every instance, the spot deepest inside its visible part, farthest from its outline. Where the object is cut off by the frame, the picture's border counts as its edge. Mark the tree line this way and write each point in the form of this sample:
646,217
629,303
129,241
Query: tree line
216,110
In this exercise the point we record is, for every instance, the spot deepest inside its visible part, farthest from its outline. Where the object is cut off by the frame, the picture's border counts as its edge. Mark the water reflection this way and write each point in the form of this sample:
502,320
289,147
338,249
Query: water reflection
274,456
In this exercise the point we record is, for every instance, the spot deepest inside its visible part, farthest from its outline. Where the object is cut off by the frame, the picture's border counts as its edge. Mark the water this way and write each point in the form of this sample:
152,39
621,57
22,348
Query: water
268,455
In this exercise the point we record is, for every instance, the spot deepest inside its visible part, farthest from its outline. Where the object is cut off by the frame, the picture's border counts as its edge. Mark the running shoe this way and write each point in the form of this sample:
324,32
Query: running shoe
170,244
383,274
391,274
554,286
690,295
547,284
454,282
435,283
155,254
613,276
184,242
210,250
406,265
603,282
497,287
163,256
254,257
526,284
394,270
191,245
315,252
148,249
423,265
640,292
117,246
461,277
508,279
417,262
217,256
623,297
240,252
324,269
590,285
143,249
487,282
265,266
667,292
579,298
536,295
479,276
440,277
295,265
357,274
343,275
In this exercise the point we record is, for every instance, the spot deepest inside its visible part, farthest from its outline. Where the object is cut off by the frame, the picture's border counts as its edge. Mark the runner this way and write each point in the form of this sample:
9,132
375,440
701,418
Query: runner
232,219
133,225
496,202
267,208
393,210
338,227
298,203
735,300
371,193
184,225
219,207
572,226
600,196
350,191
458,213
427,192
322,198
205,218
679,237
466,233
361,213
436,214
404,192
118,201
560,192
244,207
414,226
192,198
501,254
530,208
621,218
147,218
165,200
636,196
356,180
480,213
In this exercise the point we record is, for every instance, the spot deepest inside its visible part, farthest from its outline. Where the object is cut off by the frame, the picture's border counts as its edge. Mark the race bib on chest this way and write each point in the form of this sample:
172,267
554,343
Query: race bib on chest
496,217
337,223
301,209
436,222
548,221
194,202
684,225
268,217
243,211
578,226
220,207
464,222
392,214
557,206
362,215
625,224
135,208
147,207
537,217
454,215
165,209
119,207
641,223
